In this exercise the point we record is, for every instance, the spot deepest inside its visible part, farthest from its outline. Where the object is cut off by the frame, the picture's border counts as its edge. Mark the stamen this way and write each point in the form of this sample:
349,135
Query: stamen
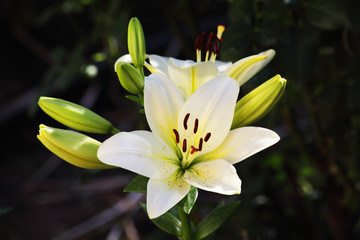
209,44
196,125
200,144
199,41
184,145
208,135
185,120
198,45
176,136
216,49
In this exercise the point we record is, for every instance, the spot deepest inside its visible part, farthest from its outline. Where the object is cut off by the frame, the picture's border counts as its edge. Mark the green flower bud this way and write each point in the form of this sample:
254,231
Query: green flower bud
136,42
258,102
130,78
73,147
75,116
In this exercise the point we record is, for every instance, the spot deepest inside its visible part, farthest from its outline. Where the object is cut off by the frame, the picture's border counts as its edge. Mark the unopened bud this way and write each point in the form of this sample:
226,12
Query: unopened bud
75,116
130,78
73,147
258,102
136,42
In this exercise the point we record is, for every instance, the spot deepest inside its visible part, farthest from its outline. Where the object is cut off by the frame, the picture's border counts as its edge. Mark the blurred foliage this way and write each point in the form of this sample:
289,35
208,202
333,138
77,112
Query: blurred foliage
305,187
313,179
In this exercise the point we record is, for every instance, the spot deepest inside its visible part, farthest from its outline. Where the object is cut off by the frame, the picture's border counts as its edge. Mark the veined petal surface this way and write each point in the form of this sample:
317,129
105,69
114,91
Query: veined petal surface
215,176
163,195
189,76
213,106
242,143
140,152
162,103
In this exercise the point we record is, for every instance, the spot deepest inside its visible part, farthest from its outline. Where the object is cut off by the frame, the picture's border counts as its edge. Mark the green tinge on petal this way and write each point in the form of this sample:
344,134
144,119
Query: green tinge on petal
75,116
73,147
163,195
247,67
258,102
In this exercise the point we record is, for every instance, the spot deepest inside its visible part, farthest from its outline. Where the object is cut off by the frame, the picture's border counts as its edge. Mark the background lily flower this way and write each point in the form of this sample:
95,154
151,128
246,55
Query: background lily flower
189,75
190,142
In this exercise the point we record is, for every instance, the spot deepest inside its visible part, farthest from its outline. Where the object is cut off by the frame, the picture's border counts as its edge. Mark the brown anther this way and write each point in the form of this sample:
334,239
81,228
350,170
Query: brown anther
184,145
196,125
185,120
199,41
176,136
217,46
208,135
209,41
200,144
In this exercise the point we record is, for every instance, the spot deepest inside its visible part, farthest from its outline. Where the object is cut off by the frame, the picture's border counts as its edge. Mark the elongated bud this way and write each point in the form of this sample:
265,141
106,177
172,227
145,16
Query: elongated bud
136,42
247,67
73,147
75,116
258,102
130,78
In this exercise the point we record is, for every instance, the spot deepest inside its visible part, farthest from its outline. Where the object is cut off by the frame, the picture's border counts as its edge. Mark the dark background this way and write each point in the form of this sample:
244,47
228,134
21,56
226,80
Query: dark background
305,187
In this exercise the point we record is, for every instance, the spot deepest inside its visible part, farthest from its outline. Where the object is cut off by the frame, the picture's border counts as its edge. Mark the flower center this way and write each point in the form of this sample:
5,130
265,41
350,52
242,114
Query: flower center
190,148
212,44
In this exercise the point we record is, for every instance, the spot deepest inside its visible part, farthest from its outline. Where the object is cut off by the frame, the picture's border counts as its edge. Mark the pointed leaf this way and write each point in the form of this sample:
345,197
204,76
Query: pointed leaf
214,219
166,222
135,99
138,184
190,199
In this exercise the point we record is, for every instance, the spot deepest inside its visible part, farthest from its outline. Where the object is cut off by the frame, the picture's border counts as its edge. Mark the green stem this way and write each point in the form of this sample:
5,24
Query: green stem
186,233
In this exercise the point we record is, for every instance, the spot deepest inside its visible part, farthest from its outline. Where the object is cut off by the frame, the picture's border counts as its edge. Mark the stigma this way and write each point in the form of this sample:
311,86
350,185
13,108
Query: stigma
186,146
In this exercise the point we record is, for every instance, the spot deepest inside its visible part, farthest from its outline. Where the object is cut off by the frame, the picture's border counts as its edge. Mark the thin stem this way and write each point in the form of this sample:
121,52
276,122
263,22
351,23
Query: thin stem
186,233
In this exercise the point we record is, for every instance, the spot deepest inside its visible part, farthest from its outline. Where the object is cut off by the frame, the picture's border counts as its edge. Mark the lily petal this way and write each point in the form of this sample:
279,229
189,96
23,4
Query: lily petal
163,195
162,103
243,142
222,66
215,176
125,58
245,68
158,63
189,76
140,152
213,106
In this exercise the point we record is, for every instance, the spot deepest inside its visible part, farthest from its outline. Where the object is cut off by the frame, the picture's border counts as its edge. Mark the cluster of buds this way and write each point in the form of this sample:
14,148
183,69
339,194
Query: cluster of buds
74,147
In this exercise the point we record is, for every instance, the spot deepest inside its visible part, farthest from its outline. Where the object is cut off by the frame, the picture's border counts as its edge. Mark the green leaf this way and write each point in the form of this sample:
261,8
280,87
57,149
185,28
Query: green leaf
167,222
135,99
138,184
190,199
214,219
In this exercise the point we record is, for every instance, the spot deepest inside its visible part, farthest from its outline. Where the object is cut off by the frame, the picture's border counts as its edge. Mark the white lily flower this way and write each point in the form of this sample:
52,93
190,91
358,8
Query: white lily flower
189,75
190,142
